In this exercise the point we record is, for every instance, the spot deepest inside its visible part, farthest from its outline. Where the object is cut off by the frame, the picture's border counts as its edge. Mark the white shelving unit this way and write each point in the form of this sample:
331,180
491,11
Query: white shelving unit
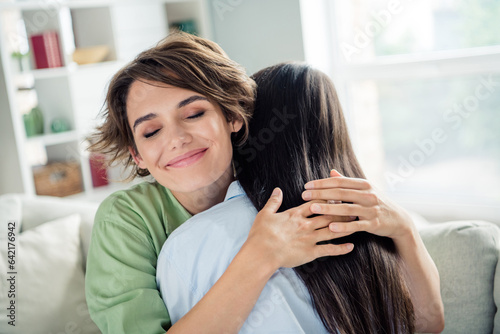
72,92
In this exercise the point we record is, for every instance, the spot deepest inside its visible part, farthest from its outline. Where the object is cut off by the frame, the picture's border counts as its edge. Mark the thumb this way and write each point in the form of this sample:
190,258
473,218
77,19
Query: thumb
334,173
274,202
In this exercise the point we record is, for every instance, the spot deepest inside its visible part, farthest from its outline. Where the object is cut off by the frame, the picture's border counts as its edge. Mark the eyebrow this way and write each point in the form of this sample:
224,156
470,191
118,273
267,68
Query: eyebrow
191,99
181,104
143,119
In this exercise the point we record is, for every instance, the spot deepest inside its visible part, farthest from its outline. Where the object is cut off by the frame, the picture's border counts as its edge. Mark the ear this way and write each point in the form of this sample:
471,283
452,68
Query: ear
137,157
236,125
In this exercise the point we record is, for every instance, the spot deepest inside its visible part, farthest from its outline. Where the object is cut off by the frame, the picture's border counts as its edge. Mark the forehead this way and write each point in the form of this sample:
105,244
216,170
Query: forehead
146,92
151,97
145,97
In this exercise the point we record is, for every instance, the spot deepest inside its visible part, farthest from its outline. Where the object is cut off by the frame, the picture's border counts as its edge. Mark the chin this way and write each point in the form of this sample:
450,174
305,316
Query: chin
190,184
194,179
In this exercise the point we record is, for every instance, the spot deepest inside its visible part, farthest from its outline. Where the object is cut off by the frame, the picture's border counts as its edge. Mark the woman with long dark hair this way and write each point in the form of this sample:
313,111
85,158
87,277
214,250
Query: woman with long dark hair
297,134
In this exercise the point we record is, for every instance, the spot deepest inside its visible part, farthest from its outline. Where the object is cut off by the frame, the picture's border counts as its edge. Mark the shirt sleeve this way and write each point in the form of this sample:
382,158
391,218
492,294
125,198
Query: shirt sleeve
121,281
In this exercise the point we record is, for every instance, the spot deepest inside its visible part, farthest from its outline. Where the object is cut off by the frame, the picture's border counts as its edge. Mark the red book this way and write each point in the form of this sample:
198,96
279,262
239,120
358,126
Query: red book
98,170
46,49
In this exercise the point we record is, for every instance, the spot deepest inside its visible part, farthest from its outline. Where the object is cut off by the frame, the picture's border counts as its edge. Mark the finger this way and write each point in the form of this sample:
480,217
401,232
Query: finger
339,182
355,226
318,222
345,209
343,219
332,250
361,197
274,202
325,220
325,234
304,209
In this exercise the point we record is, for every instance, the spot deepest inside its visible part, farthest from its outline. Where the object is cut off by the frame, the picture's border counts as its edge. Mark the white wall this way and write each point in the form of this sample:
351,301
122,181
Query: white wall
258,33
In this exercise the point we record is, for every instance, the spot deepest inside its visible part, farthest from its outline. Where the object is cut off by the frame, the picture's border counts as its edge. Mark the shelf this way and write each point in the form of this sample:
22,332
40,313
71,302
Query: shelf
47,73
40,5
37,5
55,138
74,93
57,72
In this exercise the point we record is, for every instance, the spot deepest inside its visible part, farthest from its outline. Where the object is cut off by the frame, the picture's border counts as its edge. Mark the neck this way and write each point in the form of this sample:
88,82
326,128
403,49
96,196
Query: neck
204,198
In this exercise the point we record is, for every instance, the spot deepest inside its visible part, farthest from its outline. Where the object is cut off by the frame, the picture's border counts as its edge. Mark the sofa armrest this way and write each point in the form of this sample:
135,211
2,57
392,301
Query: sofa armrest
466,254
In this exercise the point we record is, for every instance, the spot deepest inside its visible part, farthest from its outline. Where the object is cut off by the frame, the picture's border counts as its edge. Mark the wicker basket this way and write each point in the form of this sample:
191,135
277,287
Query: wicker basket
58,179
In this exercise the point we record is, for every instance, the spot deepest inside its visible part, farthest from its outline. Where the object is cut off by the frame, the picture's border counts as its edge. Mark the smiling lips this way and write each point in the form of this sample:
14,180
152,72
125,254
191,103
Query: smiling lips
187,159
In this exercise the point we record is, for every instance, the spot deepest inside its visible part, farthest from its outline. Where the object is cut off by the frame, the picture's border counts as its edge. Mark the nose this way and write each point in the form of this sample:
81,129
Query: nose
177,137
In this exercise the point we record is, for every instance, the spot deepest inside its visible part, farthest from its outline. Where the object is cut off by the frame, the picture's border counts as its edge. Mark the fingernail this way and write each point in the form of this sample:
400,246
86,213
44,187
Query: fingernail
276,192
349,247
306,195
336,172
309,185
316,208
334,227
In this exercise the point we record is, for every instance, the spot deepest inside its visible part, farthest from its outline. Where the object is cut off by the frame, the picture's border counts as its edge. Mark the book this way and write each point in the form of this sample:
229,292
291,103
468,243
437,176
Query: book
98,170
46,50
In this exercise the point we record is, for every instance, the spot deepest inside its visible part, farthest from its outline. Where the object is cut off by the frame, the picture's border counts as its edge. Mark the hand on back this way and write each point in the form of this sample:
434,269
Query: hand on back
376,214
289,238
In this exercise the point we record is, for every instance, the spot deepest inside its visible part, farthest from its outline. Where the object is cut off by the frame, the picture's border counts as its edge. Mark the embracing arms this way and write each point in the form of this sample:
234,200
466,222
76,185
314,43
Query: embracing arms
285,239
121,289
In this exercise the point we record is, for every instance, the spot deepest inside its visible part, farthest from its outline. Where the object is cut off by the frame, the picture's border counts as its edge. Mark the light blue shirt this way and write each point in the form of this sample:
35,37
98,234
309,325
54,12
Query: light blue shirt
197,253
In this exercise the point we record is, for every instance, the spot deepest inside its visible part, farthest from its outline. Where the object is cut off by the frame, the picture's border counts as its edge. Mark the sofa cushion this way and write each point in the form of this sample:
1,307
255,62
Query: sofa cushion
466,254
49,284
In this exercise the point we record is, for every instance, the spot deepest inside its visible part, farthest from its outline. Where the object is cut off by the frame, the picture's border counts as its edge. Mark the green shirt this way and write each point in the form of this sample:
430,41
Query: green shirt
129,231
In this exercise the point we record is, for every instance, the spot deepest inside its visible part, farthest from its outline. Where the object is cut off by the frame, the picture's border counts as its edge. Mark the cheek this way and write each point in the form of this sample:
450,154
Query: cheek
220,136
217,132
225,139
148,151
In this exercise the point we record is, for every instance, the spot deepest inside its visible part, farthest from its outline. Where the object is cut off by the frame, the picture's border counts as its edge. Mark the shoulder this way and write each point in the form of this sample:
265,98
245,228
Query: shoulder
134,197
208,242
226,217
216,231
147,210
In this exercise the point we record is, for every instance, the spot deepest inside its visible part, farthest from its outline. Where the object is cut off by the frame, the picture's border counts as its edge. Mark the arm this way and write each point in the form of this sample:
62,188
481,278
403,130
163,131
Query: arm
120,282
275,240
422,277
380,216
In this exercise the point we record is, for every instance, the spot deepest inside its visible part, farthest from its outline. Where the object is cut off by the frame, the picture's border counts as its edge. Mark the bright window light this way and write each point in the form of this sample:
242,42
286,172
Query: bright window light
420,84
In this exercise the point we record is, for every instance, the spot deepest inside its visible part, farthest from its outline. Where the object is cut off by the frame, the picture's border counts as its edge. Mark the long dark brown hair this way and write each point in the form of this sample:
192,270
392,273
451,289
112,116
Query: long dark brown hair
297,134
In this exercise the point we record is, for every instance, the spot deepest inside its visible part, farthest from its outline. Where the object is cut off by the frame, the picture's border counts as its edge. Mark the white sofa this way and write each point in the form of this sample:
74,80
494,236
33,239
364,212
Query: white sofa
52,237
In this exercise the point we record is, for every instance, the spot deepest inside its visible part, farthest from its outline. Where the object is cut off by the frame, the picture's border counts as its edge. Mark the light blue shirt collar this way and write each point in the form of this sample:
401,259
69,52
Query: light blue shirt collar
234,190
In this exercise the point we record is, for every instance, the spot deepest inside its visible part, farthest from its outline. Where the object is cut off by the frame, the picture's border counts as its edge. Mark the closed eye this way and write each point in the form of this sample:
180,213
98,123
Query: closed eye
196,115
150,134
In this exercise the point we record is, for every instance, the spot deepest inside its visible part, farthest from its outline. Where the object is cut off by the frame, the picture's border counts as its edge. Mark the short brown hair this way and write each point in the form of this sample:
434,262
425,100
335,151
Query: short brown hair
181,60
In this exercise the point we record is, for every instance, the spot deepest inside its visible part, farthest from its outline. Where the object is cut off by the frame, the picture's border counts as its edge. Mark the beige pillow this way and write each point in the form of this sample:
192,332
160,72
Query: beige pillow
49,281
466,254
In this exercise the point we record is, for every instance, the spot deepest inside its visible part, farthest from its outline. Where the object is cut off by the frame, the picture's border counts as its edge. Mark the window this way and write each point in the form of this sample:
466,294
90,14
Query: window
420,84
